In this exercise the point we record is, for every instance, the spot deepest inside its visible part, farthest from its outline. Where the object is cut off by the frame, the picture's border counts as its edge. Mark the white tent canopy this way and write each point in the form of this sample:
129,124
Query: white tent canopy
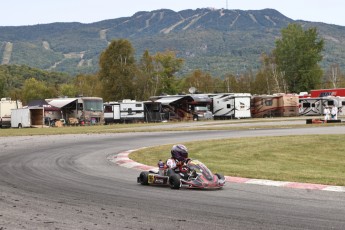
59,103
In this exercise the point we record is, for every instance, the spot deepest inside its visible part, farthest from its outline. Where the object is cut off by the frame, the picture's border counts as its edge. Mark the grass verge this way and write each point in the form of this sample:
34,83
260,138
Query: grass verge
308,159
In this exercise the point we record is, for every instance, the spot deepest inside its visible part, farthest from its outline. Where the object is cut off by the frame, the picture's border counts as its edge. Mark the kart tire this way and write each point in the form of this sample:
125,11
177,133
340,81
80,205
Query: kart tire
175,181
170,172
144,178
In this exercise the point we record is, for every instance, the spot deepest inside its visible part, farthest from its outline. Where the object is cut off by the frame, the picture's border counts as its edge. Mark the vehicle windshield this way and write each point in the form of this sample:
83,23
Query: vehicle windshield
201,108
93,105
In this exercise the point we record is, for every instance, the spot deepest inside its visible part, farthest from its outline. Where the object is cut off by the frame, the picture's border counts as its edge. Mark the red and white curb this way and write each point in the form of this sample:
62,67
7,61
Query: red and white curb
123,160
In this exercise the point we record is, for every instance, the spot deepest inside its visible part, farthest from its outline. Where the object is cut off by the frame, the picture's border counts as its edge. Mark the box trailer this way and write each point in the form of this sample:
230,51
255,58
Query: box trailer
231,105
336,92
6,105
27,117
125,111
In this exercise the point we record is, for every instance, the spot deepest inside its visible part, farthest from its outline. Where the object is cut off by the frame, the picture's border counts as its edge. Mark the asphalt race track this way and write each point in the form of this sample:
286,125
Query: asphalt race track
66,182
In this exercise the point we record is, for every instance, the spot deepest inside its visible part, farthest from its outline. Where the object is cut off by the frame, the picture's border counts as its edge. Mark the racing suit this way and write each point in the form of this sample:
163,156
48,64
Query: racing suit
171,163
177,167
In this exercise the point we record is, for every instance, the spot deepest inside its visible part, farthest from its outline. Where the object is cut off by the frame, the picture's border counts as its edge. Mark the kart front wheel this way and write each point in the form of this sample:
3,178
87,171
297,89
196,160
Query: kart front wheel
220,176
175,181
144,178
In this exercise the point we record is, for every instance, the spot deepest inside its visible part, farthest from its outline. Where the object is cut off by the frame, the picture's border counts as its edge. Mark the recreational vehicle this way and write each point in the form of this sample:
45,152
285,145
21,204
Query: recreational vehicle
185,107
126,111
276,105
87,110
232,105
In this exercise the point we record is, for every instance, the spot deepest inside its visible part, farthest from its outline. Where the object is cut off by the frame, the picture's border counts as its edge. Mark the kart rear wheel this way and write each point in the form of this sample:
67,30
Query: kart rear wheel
144,178
175,181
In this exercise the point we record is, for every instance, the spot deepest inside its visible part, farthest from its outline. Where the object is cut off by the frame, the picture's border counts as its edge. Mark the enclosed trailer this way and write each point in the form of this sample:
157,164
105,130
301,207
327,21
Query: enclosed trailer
276,105
125,111
315,106
341,105
27,117
336,92
232,105
153,111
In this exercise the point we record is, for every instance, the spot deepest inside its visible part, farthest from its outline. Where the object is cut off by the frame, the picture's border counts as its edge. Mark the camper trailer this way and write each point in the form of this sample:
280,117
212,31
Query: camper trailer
232,105
6,105
276,105
125,111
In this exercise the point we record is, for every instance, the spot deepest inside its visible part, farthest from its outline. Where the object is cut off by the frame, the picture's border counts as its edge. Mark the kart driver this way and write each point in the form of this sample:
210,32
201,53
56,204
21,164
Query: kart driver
179,156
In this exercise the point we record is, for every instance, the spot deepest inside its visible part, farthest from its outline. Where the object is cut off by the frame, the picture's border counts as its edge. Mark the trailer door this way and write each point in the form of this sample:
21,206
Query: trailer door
242,107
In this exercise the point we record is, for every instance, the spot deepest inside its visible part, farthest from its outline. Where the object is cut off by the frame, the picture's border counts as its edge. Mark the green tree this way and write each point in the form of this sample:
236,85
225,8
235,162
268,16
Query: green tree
245,82
334,77
166,64
269,79
34,89
297,55
88,85
117,71
202,81
6,81
156,74
2,88
68,90
230,84
147,80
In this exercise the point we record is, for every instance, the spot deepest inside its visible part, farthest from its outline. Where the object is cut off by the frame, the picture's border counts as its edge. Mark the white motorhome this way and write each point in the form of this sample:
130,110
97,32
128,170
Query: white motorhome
6,105
27,117
125,111
231,105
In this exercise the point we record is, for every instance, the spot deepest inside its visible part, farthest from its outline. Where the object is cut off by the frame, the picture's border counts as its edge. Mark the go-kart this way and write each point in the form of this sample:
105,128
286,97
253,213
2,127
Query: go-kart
192,174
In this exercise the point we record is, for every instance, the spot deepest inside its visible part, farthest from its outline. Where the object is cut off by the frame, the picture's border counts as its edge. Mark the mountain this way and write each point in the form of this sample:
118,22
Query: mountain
216,40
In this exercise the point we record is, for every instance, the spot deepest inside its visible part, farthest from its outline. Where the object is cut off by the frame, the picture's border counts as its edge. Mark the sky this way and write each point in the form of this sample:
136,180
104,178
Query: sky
33,12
